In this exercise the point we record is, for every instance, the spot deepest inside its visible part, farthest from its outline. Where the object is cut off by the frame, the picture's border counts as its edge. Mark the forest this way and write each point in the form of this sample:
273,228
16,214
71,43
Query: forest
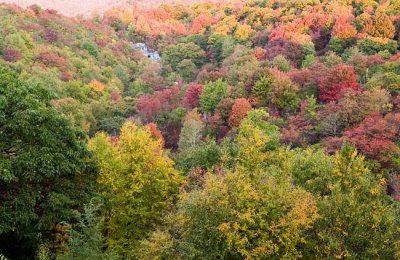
268,129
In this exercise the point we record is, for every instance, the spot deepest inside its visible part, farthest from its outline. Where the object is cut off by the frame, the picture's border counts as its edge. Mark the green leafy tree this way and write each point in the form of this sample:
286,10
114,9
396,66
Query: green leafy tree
174,54
237,216
91,48
262,86
388,80
42,167
283,94
86,240
281,63
337,45
212,94
217,48
373,46
277,89
358,219
308,61
186,69
205,155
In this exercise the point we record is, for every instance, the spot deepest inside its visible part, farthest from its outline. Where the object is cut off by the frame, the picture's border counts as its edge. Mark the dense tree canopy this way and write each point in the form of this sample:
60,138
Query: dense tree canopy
217,130
42,162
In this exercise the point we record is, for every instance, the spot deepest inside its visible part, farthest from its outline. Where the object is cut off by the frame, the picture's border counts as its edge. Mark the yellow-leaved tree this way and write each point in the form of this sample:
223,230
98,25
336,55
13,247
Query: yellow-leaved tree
255,137
96,85
247,212
138,182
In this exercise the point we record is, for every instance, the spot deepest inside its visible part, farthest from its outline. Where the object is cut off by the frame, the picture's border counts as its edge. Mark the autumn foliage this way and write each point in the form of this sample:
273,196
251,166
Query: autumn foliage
52,59
192,96
96,85
379,25
11,54
239,111
339,78
343,29
376,136
155,132
201,130
149,106
51,35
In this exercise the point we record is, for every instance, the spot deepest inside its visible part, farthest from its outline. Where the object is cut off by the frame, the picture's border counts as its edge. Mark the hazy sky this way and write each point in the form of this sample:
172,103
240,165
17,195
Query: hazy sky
72,7
88,7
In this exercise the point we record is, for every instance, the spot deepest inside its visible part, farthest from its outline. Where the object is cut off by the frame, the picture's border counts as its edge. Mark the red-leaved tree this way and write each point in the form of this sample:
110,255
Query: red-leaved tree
375,137
50,35
291,50
300,129
11,54
155,132
193,92
148,106
343,29
51,59
339,78
239,111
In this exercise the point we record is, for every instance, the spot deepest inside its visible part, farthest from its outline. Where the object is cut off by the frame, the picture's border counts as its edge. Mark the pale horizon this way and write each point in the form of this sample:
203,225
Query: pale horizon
87,7
72,7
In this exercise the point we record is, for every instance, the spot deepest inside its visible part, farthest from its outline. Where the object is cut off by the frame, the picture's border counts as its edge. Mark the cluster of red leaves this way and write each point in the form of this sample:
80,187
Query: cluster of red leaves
155,132
115,96
343,29
51,59
192,96
239,111
361,63
217,124
259,53
152,76
171,134
375,137
201,22
291,50
300,130
51,35
394,186
65,76
209,73
120,49
339,78
11,54
165,100
309,76
396,103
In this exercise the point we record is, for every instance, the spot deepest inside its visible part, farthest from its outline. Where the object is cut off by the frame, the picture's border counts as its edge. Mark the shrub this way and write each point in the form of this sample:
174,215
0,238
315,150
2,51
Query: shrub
11,54
91,48
51,35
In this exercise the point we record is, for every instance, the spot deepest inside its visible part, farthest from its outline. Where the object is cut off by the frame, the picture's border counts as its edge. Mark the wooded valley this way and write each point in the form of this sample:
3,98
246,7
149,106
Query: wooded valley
259,129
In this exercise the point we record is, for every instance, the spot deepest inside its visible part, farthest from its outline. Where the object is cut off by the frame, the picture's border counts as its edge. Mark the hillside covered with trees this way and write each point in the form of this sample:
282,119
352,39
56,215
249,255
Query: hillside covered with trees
269,129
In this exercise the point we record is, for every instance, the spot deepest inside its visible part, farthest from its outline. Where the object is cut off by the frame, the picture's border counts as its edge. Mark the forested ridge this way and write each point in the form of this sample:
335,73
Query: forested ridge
269,129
